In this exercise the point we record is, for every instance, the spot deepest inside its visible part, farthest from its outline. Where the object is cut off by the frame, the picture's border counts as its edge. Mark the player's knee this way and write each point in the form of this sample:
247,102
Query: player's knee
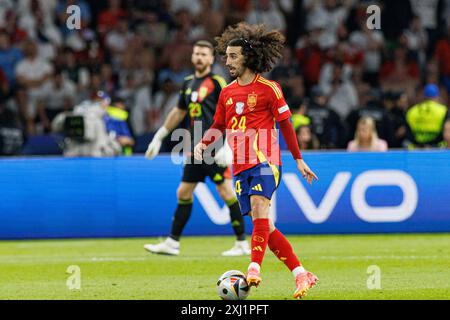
225,192
184,193
260,207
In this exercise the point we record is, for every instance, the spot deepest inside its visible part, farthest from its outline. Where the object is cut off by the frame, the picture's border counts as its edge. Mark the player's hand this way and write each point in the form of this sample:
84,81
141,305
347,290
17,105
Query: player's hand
306,171
155,145
153,149
198,151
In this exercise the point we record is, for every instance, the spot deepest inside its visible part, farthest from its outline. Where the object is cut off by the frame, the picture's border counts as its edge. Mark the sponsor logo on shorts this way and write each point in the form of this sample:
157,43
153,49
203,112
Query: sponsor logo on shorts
257,187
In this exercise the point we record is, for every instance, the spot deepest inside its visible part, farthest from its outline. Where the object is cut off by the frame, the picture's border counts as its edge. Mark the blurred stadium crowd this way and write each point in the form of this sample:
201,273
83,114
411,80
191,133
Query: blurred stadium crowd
344,82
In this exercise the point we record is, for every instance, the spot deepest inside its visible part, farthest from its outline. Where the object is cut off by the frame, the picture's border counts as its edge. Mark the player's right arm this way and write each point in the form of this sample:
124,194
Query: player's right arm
216,130
174,118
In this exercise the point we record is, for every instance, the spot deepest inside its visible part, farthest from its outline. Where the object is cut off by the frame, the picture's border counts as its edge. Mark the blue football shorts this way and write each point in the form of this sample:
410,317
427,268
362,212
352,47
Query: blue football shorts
262,180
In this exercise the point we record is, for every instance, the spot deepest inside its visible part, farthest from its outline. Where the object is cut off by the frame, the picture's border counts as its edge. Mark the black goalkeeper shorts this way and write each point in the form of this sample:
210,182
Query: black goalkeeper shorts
194,173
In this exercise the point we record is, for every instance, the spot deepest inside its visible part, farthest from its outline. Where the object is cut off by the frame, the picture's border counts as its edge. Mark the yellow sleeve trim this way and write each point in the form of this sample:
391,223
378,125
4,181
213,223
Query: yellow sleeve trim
273,86
220,80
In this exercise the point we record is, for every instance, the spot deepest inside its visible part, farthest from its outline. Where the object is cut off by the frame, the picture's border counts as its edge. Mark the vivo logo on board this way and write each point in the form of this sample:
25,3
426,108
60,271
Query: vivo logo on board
321,212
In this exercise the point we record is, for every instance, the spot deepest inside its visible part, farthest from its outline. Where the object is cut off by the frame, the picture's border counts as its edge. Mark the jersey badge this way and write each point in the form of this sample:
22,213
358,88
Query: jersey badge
239,107
194,96
203,91
252,98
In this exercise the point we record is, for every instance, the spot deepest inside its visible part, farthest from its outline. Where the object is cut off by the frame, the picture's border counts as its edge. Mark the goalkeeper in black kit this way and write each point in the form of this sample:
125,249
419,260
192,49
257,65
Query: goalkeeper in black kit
198,99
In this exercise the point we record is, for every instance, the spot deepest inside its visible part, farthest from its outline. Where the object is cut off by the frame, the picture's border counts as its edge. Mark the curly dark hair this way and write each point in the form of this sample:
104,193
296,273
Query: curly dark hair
261,47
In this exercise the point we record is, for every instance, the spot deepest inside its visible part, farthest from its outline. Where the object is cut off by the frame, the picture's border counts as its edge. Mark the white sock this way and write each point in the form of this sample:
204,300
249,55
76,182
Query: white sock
254,265
297,271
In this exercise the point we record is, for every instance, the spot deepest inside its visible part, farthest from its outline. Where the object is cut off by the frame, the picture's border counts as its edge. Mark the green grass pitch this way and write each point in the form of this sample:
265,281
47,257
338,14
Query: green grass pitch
413,266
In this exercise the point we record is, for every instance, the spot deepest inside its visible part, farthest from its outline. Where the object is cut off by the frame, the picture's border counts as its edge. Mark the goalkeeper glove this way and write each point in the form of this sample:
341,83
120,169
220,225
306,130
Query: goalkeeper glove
155,145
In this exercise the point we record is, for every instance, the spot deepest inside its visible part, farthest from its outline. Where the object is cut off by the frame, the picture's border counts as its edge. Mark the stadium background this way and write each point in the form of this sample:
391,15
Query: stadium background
140,52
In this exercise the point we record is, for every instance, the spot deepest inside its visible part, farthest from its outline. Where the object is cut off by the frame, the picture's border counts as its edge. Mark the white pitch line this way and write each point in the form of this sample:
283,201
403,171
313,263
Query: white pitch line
68,259
39,259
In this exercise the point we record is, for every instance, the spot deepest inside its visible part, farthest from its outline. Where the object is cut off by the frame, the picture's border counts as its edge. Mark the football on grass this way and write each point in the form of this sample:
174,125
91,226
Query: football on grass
232,285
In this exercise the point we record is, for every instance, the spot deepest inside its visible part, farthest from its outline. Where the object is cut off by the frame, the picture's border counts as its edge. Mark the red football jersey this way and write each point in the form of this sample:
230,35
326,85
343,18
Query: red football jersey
249,113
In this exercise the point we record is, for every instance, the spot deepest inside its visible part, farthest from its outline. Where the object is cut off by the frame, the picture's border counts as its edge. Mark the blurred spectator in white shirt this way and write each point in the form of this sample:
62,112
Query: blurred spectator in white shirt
31,74
5,6
37,18
329,14
428,12
136,76
58,95
192,5
266,12
48,7
371,42
117,41
417,40
341,92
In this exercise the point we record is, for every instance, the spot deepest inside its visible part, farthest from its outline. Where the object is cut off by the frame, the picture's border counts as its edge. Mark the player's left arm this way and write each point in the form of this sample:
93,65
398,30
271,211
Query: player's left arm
287,130
282,114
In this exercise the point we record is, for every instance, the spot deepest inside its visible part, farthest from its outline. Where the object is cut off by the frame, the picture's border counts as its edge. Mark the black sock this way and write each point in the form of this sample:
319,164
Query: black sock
180,218
237,220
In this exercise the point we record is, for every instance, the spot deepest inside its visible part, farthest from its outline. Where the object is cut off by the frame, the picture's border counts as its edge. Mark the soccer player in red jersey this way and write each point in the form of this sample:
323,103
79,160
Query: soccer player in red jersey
247,110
